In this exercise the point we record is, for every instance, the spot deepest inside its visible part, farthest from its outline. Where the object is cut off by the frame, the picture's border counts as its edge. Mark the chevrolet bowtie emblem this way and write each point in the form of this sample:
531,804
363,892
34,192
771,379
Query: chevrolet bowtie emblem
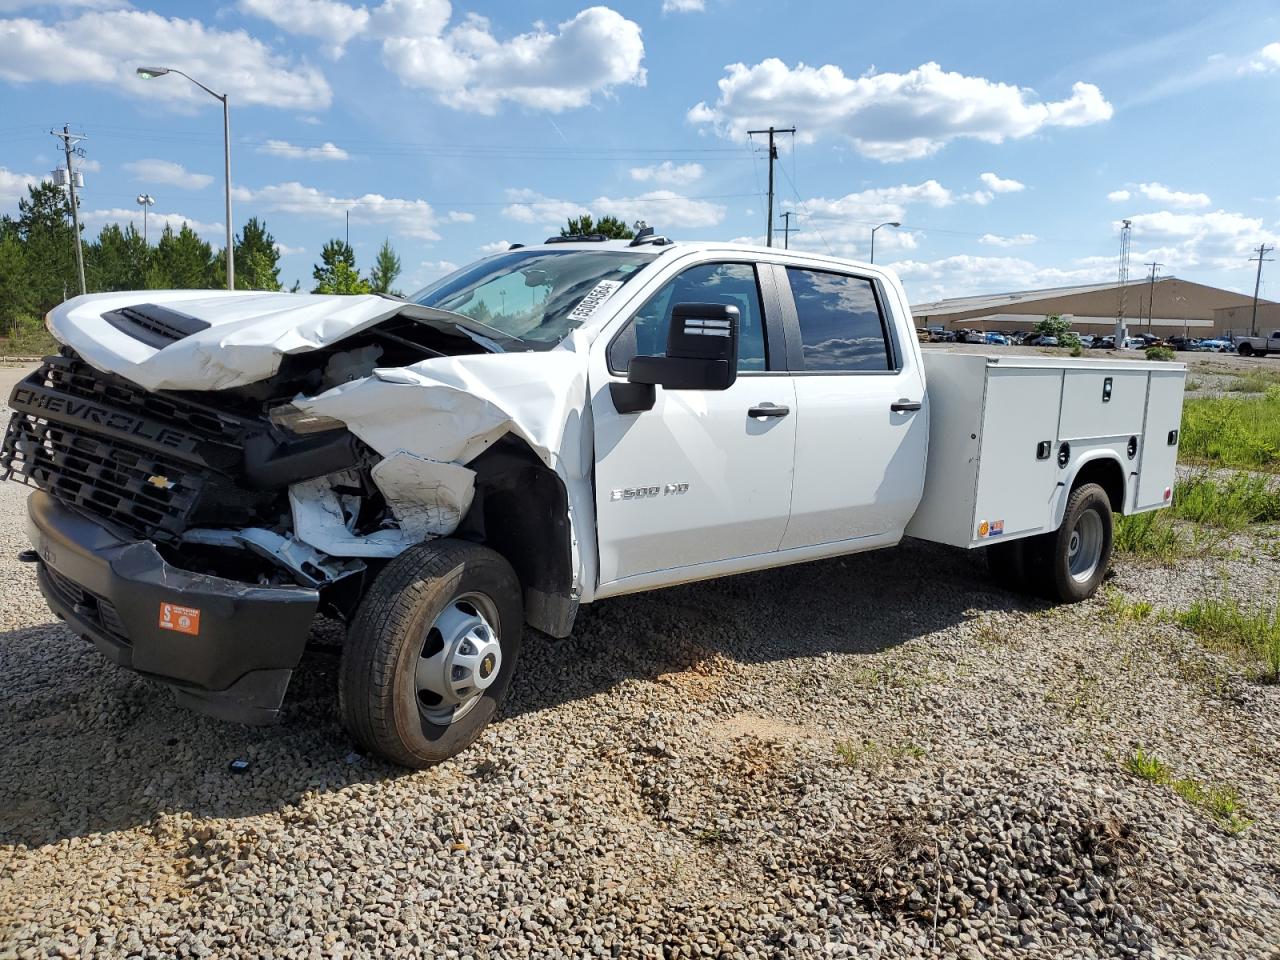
163,483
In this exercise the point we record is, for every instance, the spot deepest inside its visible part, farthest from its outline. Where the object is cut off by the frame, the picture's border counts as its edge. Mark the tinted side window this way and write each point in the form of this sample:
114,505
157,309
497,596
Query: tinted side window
728,283
840,324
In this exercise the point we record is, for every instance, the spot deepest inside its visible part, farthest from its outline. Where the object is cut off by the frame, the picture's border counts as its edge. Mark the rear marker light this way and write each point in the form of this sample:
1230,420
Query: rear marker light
1168,493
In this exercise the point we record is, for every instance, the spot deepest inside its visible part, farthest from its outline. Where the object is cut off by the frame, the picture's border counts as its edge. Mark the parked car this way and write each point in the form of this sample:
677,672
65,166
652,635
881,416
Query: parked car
1086,340
436,482
972,336
1103,343
1135,343
1258,346
998,339
1216,345
1183,343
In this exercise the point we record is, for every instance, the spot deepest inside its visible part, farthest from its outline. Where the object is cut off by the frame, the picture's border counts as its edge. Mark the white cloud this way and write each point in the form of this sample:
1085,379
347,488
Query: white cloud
468,68
103,48
413,218
672,174
843,225
1000,185
12,6
322,19
89,166
663,209
168,173
439,266
1018,240
980,197
966,275
1159,193
497,246
283,148
156,222
13,186
1119,196
1217,239
1266,60
683,6
460,216
529,206
287,251
889,116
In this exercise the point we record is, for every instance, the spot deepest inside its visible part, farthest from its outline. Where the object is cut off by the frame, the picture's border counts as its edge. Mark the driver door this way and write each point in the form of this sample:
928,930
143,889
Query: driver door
698,478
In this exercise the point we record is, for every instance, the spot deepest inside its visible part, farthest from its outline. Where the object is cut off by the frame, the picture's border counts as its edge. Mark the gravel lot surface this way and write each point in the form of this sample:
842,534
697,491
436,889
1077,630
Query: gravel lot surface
877,756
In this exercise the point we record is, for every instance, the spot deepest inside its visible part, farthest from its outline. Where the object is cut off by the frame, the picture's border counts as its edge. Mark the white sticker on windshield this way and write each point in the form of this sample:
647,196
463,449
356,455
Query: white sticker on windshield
591,302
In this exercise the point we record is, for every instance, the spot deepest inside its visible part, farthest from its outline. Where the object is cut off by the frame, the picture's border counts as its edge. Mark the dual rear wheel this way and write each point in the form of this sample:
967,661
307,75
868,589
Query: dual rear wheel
1066,565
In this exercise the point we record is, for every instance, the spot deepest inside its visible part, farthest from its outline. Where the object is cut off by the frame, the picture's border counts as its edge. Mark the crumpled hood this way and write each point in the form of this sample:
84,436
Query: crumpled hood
248,334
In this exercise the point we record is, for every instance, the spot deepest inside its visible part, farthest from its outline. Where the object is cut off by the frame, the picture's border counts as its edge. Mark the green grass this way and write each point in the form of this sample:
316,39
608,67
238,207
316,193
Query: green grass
1151,535
35,343
1121,609
1233,431
1194,385
1252,635
1221,802
1249,383
1159,353
1231,503
871,753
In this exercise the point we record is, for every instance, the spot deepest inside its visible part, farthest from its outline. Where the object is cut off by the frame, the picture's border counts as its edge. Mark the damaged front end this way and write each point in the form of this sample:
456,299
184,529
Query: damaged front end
193,535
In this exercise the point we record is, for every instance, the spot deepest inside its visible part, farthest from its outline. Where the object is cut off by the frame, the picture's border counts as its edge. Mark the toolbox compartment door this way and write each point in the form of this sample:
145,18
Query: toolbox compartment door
1159,453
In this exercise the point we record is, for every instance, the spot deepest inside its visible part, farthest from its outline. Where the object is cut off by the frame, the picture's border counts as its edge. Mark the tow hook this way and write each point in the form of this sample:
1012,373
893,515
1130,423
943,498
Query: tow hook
28,556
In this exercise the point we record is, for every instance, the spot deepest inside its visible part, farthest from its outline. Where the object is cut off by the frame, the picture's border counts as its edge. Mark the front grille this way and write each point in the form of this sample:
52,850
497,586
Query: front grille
139,460
147,494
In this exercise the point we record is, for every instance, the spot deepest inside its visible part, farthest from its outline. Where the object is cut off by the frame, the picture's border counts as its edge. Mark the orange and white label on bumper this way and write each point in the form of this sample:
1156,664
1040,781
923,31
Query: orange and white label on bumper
179,619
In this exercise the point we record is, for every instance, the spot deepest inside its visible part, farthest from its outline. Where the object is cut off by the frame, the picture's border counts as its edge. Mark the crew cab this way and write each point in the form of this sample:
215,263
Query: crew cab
1258,346
553,425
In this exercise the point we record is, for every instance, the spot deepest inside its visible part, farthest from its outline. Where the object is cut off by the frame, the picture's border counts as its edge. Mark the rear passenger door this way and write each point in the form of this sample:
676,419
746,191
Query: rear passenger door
861,430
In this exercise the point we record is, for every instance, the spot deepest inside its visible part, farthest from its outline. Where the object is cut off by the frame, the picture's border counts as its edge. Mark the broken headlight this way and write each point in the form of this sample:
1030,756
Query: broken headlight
288,417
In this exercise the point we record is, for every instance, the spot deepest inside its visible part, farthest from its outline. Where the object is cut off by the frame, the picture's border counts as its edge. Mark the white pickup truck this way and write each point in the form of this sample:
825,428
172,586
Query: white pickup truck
1258,346
550,426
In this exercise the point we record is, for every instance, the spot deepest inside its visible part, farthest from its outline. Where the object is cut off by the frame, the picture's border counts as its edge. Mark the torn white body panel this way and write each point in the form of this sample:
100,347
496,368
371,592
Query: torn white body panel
248,334
446,412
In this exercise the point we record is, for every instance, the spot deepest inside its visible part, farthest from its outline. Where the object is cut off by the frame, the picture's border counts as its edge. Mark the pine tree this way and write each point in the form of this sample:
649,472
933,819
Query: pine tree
48,241
117,260
181,261
336,272
386,268
610,226
15,293
257,258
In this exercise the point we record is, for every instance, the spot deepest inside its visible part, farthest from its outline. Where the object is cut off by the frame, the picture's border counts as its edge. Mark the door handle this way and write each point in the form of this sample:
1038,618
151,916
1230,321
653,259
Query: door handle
905,406
762,410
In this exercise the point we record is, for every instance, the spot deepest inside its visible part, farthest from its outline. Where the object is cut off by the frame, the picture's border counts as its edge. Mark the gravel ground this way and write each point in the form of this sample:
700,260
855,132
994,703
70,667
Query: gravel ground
876,756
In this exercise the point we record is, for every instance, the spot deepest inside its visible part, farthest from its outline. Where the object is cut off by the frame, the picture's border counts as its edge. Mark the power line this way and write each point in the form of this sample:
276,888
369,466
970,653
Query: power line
69,146
1262,257
773,156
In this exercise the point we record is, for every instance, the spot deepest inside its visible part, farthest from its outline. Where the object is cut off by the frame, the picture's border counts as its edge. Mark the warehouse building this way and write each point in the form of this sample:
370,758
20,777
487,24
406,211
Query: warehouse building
1170,307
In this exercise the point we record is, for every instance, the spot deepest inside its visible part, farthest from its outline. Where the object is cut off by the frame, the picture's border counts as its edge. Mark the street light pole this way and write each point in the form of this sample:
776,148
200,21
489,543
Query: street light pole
887,223
149,73
145,200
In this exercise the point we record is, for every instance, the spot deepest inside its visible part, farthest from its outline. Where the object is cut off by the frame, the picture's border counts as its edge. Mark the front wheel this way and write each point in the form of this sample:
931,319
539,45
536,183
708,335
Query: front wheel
430,652
1245,350
1068,565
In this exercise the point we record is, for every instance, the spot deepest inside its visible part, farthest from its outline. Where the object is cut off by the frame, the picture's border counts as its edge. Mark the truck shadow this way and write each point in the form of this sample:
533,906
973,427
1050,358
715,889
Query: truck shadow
89,748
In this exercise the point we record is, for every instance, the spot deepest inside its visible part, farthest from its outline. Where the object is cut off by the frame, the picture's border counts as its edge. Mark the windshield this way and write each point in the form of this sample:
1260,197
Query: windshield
536,296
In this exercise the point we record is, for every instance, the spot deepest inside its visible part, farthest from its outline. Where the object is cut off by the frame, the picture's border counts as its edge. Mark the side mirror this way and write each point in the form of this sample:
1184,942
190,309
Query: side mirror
702,350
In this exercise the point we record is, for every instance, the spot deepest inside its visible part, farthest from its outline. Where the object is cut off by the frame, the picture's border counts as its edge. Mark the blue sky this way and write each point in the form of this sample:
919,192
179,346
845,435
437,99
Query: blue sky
1009,138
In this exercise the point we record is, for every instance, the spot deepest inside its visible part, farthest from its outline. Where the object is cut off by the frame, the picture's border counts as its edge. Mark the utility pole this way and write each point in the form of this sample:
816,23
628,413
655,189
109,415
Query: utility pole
1151,292
348,227
69,142
1262,257
786,229
773,155
1121,332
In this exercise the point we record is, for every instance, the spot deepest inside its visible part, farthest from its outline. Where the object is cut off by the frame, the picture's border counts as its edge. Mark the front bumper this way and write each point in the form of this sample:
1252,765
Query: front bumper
226,648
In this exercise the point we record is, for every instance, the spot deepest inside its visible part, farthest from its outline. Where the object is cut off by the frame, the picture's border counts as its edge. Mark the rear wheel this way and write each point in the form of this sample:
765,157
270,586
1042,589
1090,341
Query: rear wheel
430,652
1068,565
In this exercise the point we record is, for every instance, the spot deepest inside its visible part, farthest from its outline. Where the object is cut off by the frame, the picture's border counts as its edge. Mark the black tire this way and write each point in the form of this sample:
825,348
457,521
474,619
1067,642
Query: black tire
1007,564
1049,557
378,697
1245,350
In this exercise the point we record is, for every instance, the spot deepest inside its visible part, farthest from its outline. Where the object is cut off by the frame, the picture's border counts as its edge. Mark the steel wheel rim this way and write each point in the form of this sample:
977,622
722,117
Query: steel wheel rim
460,658
1084,548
